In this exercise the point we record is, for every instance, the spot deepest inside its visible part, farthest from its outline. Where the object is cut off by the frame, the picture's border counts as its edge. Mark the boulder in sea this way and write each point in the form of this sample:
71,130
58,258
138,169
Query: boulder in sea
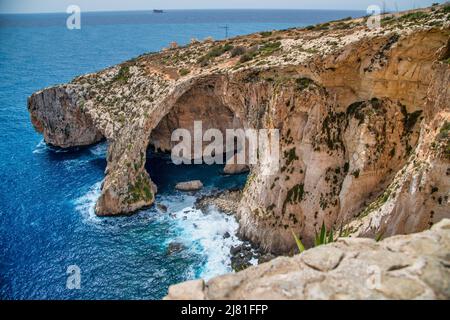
193,185
242,255
174,247
162,207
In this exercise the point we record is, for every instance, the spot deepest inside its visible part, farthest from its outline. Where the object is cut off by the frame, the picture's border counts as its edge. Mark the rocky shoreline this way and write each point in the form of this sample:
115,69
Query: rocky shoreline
246,254
226,201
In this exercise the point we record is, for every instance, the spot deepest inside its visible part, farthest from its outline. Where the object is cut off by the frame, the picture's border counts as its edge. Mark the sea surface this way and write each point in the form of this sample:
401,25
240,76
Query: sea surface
47,195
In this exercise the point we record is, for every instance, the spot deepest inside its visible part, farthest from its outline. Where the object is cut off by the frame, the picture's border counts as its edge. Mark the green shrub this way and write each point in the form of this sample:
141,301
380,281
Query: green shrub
184,72
295,194
342,26
323,26
324,236
269,48
444,138
387,19
123,75
214,52
246,57
265,50
414,16
290,156
238,51
299,243
266,34
379,237
346,167
249,54
321,238
303,83
410,119
445,130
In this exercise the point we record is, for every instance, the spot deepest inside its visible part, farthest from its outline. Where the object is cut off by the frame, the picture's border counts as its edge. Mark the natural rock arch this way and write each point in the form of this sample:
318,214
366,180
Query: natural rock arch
324,108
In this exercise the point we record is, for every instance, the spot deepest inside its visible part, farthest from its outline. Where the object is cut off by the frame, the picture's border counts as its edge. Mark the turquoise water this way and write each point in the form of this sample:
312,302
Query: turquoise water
47,194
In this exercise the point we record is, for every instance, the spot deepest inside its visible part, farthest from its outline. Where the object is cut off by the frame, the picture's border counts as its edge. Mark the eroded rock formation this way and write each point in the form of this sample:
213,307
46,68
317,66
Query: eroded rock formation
363,116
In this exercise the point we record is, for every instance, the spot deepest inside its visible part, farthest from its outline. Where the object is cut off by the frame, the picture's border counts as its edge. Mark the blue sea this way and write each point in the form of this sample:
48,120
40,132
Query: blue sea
47,195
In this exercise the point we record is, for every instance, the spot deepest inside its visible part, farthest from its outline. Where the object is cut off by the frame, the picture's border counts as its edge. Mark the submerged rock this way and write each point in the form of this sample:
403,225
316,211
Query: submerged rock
174,247
162,207
245,255
189,185
226,201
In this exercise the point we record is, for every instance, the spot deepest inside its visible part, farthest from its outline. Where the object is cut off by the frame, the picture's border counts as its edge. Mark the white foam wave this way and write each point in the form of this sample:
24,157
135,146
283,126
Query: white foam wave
75,164
99,150
208,234
204,233
41,147
86,204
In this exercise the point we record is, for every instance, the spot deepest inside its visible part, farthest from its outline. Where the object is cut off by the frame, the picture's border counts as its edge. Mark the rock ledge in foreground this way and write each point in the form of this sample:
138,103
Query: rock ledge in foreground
401,267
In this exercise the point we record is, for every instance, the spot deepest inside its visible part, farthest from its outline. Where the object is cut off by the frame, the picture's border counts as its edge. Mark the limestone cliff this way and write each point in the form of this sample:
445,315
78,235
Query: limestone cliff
363,114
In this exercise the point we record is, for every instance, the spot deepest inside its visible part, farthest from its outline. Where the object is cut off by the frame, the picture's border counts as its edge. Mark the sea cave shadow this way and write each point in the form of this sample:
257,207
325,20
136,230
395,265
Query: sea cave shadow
166,174
95,154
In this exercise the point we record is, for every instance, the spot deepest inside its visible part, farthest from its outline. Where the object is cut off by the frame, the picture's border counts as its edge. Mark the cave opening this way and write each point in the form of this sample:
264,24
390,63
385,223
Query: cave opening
200,104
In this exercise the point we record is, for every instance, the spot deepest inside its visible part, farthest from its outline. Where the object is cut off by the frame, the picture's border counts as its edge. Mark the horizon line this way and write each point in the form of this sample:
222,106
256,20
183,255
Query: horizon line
202,9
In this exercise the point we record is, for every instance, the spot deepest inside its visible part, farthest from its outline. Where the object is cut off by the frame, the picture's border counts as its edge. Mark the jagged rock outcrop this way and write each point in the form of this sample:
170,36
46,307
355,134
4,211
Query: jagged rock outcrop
412,266
362,115
55,114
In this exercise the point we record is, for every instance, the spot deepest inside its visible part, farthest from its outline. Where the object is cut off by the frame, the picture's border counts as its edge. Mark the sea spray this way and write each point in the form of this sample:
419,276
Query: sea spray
211,234
208,235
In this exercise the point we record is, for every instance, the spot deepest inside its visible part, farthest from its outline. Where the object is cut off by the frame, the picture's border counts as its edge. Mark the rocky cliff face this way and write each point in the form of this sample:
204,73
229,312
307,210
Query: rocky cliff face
401,267
55,114
363,116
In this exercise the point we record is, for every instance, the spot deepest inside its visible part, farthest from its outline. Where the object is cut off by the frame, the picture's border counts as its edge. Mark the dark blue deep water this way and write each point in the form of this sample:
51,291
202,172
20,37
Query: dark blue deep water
47,195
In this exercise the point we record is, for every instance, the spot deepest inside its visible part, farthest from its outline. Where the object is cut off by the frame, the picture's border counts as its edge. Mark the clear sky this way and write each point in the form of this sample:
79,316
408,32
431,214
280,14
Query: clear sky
31,6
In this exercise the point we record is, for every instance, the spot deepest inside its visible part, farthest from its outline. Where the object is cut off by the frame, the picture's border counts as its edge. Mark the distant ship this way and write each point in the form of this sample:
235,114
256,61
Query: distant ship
158,11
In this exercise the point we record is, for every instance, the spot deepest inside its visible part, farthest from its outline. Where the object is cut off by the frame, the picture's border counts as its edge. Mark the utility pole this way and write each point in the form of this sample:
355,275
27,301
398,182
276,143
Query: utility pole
226,27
